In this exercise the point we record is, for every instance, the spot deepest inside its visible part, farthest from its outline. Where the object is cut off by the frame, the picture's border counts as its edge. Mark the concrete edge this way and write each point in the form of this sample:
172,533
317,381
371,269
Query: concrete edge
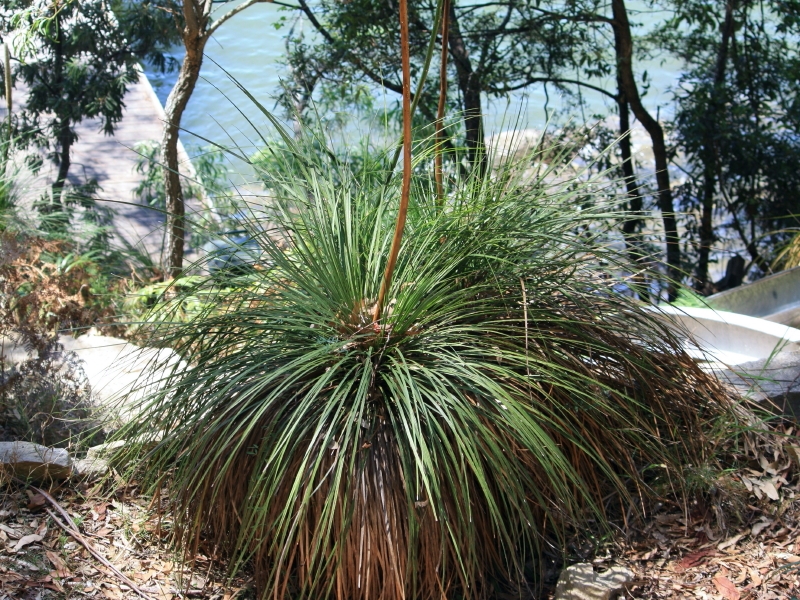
784,332
738,289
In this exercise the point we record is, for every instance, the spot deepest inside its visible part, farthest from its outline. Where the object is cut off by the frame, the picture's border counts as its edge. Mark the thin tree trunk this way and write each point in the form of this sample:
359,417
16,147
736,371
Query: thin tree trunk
470,85
9,101
633,220
624,49
64,134
64,162
707,237
176,104
300,95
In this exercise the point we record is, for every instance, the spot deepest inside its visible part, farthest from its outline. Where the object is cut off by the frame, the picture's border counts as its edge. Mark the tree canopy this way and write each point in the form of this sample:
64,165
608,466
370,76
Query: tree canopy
76,60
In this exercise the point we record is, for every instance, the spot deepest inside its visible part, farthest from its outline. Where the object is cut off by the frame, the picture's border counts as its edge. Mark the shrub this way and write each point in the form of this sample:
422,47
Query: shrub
507,392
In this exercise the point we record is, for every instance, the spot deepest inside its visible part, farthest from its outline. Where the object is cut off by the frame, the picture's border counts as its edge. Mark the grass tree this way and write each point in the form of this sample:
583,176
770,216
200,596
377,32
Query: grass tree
504,394
409,393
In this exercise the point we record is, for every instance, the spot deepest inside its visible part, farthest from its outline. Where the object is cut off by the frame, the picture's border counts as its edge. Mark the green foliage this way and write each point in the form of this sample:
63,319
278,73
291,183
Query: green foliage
9,177
76,60
363,161
150,305
689,299
494,48
211,185
505,394
151,184
208,163
738,122
53,282
789,256
46,399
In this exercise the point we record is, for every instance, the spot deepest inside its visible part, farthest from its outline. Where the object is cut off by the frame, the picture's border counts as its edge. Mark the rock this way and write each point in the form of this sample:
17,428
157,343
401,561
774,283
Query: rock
513,145
12,352
96,464
98,458
728,339
581,582
774,298
775,380
90,468
120,374
102,451
26,460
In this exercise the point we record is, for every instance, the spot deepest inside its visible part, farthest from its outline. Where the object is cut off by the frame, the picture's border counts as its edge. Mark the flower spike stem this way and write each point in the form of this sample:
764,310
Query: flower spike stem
406,187
442,102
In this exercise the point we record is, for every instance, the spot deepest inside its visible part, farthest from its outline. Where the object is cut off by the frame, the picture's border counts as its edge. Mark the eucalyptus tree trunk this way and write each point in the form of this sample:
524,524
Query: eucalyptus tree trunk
196,31
9,101
628,87
64,162
633,222
64,133
710,152
469,83
440,134
176,104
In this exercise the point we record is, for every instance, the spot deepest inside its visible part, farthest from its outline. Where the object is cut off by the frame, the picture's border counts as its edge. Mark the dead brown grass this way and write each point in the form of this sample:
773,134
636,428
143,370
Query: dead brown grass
40,297
379,550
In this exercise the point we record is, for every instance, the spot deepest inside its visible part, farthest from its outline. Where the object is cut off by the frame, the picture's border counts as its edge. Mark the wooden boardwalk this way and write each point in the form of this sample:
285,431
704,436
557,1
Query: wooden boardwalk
111,160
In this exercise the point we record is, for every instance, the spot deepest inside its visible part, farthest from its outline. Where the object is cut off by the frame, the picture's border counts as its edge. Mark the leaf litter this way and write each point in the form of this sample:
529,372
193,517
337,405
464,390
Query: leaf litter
743,545
39,560
707,553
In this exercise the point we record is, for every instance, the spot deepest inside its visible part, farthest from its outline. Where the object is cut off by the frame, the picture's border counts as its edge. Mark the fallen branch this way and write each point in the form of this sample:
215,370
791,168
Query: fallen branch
72,529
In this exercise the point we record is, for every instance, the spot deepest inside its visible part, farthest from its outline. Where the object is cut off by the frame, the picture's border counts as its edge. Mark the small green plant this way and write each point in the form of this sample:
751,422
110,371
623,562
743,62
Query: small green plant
688,298
789,256
8,186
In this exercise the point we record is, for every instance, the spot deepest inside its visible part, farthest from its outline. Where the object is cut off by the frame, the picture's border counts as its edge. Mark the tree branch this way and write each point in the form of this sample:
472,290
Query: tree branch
531,80
394,87
232,13
584,18
190,18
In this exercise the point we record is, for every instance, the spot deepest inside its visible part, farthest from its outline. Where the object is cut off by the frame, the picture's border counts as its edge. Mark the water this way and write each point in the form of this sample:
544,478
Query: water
250,48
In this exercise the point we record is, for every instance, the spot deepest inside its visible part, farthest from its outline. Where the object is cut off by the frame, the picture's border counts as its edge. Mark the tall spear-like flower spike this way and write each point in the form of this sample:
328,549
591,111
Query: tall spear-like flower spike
442,102
406,187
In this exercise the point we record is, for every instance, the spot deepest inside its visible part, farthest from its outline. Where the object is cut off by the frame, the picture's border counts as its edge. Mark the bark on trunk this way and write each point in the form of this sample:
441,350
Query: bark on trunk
631,225
633,221
300,95
64,162
176,104
707,237
624,51
64,134
469,83
440,135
